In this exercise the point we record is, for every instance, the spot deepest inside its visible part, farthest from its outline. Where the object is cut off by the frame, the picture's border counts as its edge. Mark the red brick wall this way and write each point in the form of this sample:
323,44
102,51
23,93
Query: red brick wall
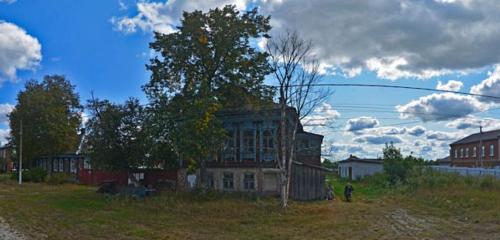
470,161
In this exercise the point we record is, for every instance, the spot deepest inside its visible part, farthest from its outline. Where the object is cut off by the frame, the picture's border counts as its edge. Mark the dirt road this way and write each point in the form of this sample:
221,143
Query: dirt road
7,233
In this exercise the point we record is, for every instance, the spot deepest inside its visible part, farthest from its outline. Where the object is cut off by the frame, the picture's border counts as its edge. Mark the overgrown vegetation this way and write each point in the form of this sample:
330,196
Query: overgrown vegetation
398,168
440,206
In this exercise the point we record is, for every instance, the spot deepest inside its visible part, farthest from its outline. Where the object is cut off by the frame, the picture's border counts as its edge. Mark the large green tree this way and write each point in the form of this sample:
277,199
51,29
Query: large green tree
50,112
205,66
115,135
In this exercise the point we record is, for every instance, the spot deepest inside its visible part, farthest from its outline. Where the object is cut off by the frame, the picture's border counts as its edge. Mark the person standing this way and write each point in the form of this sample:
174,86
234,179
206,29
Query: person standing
330,195
348,192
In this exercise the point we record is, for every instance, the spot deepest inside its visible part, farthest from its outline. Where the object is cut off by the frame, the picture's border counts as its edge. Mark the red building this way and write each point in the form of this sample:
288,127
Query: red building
6,165
476,150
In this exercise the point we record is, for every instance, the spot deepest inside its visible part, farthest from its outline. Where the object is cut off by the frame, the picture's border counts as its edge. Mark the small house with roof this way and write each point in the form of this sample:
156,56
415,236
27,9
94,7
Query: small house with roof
354,168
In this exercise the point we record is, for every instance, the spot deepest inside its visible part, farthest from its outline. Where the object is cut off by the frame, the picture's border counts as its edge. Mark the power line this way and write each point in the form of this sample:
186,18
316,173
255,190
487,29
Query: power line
392,86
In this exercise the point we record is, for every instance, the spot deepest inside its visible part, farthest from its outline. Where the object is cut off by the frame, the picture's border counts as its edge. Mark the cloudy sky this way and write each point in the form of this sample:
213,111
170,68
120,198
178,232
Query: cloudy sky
102,46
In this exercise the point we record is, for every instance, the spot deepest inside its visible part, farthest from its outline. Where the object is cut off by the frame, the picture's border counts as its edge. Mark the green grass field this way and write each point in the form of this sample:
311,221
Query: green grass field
454,210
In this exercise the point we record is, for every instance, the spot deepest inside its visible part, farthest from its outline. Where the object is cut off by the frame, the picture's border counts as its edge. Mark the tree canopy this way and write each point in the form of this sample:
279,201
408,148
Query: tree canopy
50,111
207,65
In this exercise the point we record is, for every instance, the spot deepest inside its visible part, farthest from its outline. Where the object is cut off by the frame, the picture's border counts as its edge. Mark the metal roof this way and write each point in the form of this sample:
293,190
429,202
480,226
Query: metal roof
489,135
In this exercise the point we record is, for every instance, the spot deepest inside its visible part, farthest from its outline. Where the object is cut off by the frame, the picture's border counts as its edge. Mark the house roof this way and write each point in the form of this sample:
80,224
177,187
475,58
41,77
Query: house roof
353,158
476,137
443,160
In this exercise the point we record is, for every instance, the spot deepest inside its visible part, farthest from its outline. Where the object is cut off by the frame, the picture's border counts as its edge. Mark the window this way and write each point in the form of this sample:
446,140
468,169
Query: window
86,164
61,165
248,141
249,181
474,152
55,165
268,145
210,180
467,152
456,153
461,153
73,165
230,146
482,151
492,150
228,180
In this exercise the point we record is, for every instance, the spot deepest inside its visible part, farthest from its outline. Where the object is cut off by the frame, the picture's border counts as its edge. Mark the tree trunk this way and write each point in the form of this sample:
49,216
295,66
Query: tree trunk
283,145
290,161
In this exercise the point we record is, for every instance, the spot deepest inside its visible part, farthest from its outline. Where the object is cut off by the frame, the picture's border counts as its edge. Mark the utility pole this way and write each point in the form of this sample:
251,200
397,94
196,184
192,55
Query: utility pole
482,150
21,154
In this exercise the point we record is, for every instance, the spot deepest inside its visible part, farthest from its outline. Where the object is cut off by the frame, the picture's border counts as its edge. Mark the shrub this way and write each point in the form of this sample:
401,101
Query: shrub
4,178
26,175
59,178
38,175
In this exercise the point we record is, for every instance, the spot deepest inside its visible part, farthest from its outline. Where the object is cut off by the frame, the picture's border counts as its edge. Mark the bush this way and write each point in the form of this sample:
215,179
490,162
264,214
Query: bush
33,175
4,178
59,178
37,175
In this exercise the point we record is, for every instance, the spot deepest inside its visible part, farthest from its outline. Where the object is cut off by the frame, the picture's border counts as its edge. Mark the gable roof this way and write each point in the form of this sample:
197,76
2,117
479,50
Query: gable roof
353,158
494,134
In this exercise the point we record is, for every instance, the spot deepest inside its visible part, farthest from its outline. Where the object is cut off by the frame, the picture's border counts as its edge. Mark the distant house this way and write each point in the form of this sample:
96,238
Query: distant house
6,154
248,160
476,150
69,163
443,161
355,168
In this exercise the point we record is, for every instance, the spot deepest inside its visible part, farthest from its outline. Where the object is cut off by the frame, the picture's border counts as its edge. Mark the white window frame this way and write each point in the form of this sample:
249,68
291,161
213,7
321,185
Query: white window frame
474,152
224,179
483,151
467,152
492,150
247,180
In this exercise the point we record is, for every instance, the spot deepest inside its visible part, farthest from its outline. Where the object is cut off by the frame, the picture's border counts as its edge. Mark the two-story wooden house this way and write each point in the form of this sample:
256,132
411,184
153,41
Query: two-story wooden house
248,160
476,150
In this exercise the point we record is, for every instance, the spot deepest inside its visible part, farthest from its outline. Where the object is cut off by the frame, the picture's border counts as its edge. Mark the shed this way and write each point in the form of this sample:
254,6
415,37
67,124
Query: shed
357,168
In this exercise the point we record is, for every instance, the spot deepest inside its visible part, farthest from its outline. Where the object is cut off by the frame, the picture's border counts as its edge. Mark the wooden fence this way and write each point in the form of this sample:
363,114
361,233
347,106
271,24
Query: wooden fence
469,171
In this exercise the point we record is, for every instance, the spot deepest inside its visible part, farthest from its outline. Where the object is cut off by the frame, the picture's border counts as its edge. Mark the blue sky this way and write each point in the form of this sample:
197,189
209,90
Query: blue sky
102,46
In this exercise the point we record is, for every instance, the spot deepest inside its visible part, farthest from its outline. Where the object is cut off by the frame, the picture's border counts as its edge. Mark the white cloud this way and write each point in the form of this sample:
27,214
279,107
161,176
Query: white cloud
323,115
164,16
489,86
373,139
18,50
5,109
451,85
361,123
474,123
440,107
416,131
397,38
441,136
4,134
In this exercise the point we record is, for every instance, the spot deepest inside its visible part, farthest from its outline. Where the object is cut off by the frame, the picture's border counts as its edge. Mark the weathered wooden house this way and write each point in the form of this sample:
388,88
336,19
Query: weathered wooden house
248,160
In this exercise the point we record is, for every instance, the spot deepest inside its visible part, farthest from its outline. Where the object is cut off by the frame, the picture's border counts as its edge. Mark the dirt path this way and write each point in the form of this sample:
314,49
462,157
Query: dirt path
7,233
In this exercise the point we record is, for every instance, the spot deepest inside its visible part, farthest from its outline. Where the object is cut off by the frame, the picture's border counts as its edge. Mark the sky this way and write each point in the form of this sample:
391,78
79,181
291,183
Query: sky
102,47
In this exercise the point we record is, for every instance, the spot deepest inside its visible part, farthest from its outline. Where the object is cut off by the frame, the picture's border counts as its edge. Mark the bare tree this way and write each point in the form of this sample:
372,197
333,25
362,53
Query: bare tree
297,73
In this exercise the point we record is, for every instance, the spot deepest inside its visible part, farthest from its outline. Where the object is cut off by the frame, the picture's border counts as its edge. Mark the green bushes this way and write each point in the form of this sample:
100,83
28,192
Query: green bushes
33,175
59,178
398,168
